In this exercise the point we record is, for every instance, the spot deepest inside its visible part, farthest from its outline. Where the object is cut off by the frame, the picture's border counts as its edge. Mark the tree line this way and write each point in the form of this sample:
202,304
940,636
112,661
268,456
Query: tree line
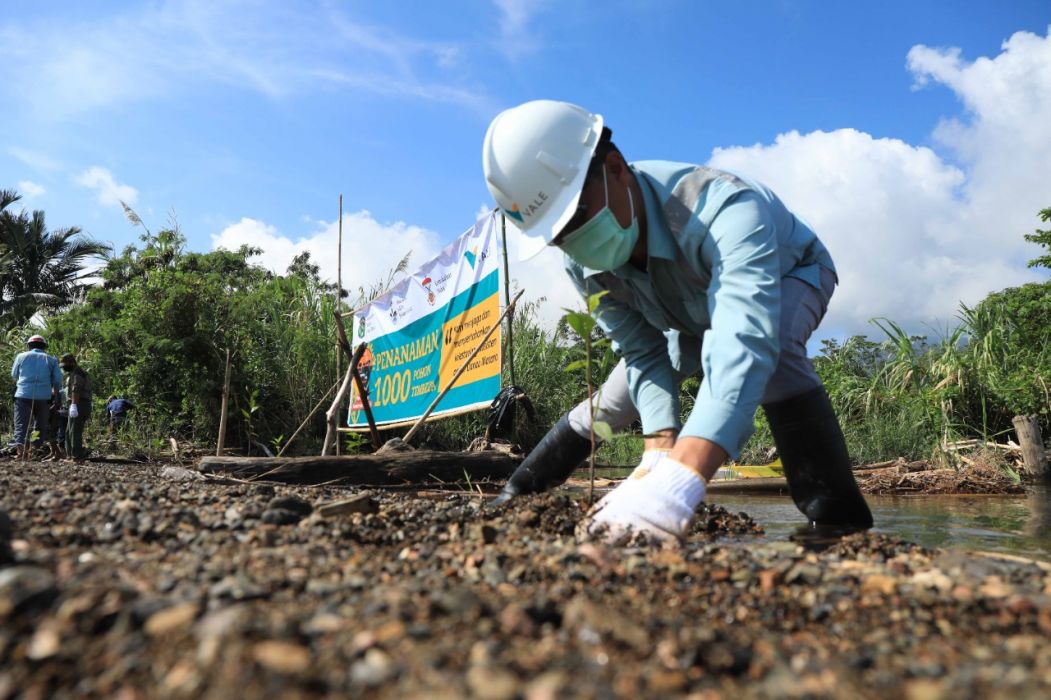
155,321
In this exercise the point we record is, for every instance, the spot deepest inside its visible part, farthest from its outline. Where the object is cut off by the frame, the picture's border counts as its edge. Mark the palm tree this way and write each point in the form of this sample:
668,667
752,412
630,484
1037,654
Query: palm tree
40,270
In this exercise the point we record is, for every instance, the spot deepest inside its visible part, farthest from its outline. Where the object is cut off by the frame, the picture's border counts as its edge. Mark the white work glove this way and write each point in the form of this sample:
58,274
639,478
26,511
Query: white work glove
73,412
659,505
648,462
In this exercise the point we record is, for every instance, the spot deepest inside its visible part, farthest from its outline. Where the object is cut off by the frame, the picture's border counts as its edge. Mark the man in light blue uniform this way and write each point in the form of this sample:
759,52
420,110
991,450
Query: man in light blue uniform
37,379
700,270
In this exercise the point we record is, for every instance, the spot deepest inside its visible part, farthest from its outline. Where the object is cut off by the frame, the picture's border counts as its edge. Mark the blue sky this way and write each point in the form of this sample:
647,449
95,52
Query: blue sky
914,135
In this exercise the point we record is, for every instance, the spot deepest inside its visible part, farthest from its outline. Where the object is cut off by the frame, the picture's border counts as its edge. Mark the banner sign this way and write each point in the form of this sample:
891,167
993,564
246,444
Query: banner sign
421,332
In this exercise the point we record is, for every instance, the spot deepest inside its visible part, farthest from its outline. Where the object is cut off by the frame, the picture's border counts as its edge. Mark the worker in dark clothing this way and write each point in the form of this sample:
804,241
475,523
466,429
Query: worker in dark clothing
78,390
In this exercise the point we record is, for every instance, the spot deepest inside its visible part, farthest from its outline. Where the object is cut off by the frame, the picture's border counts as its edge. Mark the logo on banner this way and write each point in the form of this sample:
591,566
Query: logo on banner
393,315
430,292
471,255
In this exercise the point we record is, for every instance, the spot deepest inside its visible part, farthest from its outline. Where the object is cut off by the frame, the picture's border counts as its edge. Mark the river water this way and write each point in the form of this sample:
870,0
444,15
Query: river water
1019,525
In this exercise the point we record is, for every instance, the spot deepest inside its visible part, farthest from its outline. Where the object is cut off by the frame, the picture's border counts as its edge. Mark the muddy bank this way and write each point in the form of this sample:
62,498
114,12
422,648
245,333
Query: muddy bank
124,580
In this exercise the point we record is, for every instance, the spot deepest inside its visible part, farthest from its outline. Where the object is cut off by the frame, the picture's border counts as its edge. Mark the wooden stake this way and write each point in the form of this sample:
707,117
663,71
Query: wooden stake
333,413
222,412
332,433
1033,455
463,368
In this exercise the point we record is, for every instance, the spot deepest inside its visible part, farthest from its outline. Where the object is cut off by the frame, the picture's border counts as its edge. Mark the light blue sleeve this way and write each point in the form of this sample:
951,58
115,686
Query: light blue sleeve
56,374
14,367
740,349
651,379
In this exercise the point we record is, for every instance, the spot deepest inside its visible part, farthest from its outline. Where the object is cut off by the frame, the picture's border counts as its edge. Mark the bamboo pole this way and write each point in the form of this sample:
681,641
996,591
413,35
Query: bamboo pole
332,432
339,289
509,348
373,431
225,406
463,368
333,412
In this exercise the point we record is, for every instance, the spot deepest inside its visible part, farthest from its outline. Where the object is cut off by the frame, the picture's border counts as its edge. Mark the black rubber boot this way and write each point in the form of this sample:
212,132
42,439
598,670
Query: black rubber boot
817,466
549,464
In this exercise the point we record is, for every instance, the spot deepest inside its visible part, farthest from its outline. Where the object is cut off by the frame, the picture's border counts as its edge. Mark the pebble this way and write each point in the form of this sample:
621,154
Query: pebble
25,588
170,620
293,503
430,596
374,669
280,516
282,656
490,683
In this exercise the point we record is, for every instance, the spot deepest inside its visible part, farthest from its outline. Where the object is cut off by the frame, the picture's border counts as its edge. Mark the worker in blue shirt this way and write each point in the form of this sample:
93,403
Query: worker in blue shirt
37,379
699,270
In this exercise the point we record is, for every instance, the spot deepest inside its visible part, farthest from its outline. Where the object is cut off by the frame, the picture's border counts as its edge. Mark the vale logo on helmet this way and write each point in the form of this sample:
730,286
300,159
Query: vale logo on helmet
519,213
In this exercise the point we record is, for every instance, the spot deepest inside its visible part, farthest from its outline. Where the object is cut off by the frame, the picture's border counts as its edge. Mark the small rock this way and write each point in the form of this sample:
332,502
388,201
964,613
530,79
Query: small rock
24,588
280,516
222,623
547,686
666,682
491,683
587,617
282,657
374,669
180,474
44,644
172,619
395,445
237,588
292,503
484,532
360,503
878,583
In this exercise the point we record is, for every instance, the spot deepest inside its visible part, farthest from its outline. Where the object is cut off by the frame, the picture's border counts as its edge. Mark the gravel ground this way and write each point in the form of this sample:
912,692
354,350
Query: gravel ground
134,581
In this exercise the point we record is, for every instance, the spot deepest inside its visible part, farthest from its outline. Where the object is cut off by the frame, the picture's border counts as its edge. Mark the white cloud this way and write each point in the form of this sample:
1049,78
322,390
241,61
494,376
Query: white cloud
370,248
174,46
108,191
29,189
911,233
517,31
34,159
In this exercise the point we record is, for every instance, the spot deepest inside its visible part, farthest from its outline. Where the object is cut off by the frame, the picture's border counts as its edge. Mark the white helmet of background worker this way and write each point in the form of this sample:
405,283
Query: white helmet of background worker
535,159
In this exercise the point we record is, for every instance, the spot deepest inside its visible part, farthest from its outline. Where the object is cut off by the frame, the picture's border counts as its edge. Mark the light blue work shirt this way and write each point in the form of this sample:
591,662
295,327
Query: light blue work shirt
718,246
35,373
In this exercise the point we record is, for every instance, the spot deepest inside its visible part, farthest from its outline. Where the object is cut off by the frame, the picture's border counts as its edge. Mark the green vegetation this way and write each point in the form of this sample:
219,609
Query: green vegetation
157,326
41,271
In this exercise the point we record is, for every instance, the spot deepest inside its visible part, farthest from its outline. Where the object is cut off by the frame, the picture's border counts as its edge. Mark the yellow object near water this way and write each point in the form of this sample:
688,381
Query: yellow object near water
748,471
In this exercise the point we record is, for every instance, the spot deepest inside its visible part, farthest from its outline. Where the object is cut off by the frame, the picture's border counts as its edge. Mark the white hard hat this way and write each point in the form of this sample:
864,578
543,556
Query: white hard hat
535,159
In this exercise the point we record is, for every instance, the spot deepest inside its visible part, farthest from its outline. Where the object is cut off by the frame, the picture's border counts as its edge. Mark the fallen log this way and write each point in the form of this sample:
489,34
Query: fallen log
419,466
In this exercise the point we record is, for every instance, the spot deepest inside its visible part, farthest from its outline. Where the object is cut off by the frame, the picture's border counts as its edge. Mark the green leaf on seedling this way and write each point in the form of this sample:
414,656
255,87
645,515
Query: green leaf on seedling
575,365
595,299
580,322
603,430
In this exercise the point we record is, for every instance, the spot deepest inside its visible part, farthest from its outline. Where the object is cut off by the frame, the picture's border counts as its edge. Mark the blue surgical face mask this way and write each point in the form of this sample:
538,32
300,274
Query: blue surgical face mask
602,243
